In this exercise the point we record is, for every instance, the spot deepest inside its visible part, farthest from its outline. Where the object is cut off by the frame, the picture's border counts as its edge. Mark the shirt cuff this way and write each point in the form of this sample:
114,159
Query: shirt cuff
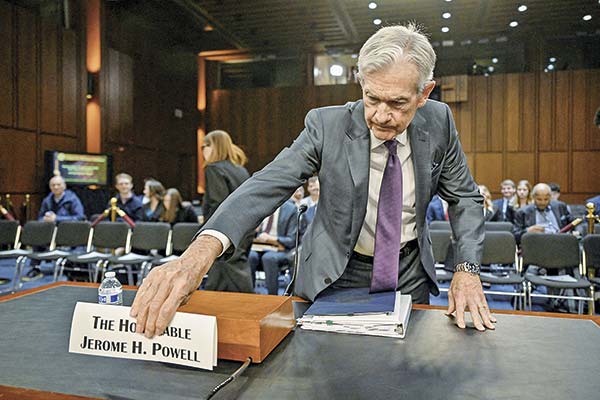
220,236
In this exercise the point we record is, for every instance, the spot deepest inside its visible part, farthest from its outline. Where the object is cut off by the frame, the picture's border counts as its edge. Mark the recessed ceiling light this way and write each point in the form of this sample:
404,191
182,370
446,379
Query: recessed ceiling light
448,1
336,70
446,15
377,21
550,67
495,60
587,17
513,24
491,68
372,5
552,59
522,8
445,29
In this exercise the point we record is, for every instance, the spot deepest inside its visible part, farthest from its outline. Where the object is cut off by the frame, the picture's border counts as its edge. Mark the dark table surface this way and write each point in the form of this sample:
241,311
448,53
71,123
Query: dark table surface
527,357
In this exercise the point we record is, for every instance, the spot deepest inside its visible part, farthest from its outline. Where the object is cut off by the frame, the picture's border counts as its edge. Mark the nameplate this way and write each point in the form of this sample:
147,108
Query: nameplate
109,331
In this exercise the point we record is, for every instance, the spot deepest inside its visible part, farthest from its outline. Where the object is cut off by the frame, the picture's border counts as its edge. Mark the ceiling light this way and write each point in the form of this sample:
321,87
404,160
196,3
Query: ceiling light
448,1
445,29
372,5
522,8
377,21
446,15
336,70
587,17
550,67
466,42
354,55
513,24
495,60
491,68
552,59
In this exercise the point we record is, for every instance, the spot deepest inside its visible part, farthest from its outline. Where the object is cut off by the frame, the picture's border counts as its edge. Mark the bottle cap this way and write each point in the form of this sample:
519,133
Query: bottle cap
110,274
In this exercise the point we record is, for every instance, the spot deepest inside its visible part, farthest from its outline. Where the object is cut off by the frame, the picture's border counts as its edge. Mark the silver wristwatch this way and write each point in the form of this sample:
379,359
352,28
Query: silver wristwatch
471,268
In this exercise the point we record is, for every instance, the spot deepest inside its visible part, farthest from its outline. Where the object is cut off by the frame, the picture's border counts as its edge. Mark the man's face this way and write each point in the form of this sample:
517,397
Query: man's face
542,199
124,186
391,99
57,186
313,188
507,191
555,195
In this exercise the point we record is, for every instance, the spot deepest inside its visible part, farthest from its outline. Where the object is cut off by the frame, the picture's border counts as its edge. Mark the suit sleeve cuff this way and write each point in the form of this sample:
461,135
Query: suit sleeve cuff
220,236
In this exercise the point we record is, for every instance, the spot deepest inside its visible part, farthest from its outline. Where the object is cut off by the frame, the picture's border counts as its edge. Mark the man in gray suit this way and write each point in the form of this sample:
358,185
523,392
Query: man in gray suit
352,148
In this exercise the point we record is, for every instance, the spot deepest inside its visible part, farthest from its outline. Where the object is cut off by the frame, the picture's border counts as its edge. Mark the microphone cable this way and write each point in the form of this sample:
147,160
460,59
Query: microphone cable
288,290
231,378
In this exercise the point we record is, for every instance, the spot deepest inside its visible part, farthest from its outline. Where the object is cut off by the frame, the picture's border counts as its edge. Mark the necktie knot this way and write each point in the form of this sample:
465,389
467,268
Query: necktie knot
391,146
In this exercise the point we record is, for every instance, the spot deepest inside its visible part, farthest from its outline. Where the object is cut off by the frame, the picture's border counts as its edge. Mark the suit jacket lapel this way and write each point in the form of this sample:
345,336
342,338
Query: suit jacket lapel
421,158
357,146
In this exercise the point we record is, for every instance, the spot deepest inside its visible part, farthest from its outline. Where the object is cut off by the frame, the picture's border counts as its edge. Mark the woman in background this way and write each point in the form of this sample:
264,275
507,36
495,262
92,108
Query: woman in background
490,213
175,211
523,196
224,171
154,191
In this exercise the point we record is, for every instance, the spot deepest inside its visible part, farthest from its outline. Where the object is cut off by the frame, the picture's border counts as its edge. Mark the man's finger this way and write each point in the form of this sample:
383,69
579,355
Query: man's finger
451,306
486,315
163,292
142,310
460,313
474,310
141,292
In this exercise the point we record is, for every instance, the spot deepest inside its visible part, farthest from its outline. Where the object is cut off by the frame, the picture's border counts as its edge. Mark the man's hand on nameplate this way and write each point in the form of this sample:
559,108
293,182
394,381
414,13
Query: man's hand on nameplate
466,294
170,285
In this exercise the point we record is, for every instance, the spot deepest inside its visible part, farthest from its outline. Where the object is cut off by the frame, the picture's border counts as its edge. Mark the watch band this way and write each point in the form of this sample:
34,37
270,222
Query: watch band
469,267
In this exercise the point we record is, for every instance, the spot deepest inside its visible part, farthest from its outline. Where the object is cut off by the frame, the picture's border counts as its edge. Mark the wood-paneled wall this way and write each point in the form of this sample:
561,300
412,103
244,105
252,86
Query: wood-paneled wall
42,77
520,126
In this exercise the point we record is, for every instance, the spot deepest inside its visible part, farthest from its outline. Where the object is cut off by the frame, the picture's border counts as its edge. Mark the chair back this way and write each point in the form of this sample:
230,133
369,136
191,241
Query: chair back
73,233
183,233
111,235
498,226
499,247
439,226
550,250
150,235
591,251
9,233
39,233
440,240
597,229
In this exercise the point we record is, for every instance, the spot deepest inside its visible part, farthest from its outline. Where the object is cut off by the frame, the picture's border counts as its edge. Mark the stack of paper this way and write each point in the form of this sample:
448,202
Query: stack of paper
356,311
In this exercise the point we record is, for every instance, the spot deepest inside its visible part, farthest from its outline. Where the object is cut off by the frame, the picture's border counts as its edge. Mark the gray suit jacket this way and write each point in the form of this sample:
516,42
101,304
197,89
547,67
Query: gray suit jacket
336,144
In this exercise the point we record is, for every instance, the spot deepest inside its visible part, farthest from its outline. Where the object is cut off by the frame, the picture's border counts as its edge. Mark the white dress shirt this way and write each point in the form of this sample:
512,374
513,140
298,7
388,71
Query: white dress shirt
379,156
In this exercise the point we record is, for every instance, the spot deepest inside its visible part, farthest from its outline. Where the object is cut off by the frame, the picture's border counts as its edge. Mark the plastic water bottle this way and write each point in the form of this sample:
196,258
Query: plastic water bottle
110,290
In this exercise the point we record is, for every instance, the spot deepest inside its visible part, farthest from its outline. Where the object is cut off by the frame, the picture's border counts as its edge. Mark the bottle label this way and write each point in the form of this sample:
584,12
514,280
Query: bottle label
108,299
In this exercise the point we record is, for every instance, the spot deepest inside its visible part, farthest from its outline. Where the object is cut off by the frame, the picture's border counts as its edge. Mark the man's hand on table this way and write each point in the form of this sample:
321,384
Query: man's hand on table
170,285
466,293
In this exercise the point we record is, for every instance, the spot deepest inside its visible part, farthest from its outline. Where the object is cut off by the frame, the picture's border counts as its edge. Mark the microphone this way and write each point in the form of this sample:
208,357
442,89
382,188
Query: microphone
288,290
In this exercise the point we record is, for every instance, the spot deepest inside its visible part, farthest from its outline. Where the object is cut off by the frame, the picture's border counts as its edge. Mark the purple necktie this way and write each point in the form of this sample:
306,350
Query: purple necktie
389,224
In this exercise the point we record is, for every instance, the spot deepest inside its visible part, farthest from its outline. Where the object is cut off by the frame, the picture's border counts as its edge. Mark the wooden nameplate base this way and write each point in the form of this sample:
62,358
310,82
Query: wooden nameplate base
248,325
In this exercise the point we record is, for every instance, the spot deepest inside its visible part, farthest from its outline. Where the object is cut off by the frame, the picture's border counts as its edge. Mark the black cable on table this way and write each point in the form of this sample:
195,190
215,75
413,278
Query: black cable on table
231,378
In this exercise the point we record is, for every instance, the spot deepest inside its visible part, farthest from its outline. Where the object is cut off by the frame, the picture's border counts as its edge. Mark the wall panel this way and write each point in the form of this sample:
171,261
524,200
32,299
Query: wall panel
581,114
586,174
498,113
49,85
513,119
546,112
27,69
554,167
528,112
6,65
519,166
562,110
18,171
484,173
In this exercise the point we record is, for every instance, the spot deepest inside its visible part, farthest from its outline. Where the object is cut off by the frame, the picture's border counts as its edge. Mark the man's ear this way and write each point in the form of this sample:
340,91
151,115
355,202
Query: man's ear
426,92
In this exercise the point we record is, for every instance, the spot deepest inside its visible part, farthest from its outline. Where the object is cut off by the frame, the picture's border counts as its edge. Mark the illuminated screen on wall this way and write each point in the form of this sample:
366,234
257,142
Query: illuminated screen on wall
79,169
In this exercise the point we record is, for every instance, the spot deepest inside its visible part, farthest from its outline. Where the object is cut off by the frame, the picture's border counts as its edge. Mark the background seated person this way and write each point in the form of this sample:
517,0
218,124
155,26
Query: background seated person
175,210
126,198
154,191
314,189
60,205
490,211
278,229
524,195
504,205
437,210
543,216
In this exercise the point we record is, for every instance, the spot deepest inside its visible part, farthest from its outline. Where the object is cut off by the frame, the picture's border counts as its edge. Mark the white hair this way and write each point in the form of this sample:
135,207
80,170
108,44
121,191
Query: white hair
392,44
541,187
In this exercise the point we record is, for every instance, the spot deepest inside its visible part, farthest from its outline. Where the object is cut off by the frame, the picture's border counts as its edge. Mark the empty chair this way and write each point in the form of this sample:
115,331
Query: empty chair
498,226
106,238
555,252
69,234
147,237
591,258
500,247
9,238
439,226
34,234
440,242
